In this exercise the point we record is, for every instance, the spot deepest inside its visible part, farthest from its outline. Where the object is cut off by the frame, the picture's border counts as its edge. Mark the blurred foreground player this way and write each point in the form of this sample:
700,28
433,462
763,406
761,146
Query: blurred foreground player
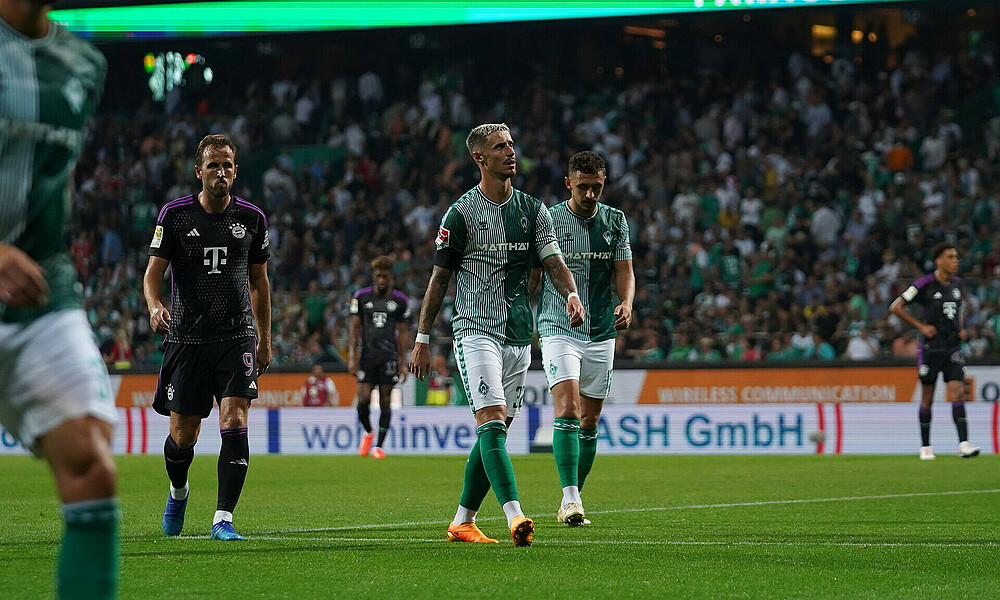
578,361
942,332
488,238
215,245
55,397
380,321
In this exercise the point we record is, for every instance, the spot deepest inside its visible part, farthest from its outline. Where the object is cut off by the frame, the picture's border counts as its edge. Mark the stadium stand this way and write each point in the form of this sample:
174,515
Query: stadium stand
774,214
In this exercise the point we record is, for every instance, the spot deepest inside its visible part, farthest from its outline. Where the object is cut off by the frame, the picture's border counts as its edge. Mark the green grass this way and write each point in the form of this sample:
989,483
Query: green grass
376,529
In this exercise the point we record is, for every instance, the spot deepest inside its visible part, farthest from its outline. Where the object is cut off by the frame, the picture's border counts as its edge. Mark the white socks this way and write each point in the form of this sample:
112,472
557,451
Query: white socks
512,509
180,493
221,515
464,515
571,493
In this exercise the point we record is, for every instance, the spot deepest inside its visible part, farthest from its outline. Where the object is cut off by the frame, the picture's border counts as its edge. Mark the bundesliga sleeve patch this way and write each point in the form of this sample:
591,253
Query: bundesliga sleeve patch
354,306
443,237
157,237
910,293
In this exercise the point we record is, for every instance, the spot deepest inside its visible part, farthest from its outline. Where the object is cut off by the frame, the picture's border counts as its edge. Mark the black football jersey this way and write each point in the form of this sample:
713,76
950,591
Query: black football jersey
379,317
210,256
942,308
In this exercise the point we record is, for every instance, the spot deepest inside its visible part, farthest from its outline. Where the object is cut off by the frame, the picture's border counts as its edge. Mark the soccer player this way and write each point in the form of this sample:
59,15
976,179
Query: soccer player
488,238
55,396
578,361
216,244
380,315
318,390
942,332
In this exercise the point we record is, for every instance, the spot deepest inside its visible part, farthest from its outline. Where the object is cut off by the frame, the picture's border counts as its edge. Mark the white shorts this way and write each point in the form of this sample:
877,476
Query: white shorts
493,373
50,372
590,363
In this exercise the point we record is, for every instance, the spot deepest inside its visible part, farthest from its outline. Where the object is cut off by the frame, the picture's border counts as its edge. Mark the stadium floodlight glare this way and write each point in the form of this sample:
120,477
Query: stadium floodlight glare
215,18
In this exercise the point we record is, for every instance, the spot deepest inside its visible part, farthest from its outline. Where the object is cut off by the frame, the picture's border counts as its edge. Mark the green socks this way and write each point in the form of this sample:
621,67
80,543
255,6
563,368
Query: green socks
566,448
477,484
493,449
89,557
588,450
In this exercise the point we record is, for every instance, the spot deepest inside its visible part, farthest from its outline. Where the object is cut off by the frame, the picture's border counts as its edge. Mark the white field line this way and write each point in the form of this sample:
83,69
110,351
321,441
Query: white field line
648,509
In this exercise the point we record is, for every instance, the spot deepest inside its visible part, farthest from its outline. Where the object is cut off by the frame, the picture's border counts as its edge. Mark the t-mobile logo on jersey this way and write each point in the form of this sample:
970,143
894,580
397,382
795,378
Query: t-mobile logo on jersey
215,257
950,309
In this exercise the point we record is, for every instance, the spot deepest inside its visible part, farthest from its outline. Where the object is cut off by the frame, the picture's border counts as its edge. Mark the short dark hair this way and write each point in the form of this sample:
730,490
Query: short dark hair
215,140
382,263
940,248
588,163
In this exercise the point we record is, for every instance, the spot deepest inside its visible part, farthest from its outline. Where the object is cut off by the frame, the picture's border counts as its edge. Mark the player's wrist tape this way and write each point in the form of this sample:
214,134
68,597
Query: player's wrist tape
571,296
423,338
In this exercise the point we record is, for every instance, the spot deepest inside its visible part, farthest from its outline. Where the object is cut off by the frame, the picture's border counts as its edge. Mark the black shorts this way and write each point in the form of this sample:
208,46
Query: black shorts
378,372
949,363
194,376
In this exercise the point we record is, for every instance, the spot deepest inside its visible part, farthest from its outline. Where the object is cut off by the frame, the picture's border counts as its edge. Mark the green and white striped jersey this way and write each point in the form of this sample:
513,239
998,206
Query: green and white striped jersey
590,247
497,244
48,89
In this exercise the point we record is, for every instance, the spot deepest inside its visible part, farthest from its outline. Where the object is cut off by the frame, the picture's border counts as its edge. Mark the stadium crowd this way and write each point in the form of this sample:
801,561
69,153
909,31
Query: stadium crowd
771,217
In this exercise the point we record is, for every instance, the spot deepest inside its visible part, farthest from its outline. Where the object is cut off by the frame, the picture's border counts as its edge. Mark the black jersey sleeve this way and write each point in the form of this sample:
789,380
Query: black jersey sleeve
260,251
164,240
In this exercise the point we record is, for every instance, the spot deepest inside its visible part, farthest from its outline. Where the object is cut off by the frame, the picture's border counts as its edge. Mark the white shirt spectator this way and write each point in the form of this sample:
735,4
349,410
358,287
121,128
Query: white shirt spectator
685,208
370,88
869,202
825,226
862,347
304,108
933,151
750,211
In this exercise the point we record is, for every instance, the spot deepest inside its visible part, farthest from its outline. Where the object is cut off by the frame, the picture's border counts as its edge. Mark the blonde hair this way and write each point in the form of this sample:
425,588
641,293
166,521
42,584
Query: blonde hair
477,137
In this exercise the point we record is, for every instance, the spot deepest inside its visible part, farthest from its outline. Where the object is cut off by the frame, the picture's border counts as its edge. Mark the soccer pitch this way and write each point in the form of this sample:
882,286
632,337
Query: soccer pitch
663,527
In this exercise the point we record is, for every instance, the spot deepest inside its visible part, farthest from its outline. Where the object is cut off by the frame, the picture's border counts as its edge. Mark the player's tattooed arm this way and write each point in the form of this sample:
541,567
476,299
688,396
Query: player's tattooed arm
534,278
260,297
152,289
437,287
562,279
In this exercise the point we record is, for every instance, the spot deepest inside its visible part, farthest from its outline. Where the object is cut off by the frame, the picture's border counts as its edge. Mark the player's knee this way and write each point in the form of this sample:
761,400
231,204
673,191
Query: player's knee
568,410
184,437
232,421
589,421
491,413
91,476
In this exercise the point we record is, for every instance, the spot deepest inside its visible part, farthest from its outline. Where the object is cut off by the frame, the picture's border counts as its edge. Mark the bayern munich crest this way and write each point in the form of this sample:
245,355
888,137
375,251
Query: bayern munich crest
239,231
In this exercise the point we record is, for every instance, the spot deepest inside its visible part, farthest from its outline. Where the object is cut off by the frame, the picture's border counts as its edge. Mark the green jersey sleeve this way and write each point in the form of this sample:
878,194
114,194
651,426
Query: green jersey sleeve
545,235
623,249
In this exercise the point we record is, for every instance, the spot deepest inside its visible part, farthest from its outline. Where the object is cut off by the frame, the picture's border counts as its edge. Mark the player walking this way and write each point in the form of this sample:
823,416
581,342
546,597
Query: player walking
578,361
380,320
940,294
488,238
55,396
215,244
